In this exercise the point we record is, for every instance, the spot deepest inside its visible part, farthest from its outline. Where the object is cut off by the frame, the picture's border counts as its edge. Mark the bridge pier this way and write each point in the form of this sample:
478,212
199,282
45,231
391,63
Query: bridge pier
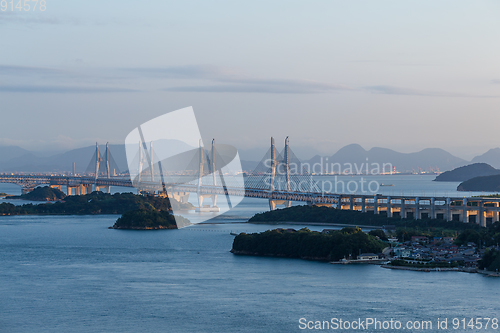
389,207
73,190
207,208
375,205
182,197
403,208
482,220
464,211
56,186
449,217
107,188
433,208
494,217
417,214
287,203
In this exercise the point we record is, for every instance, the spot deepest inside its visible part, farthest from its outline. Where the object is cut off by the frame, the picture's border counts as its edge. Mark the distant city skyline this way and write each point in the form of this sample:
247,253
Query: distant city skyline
398,75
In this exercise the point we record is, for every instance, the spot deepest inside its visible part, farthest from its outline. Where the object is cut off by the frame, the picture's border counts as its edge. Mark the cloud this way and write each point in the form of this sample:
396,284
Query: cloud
283,87
195,78
206,72
61,89
495,81
26,70
391,90
232,81
27,19
28,79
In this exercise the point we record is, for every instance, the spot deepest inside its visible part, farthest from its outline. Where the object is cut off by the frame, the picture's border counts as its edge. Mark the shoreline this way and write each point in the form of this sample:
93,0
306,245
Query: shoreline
318,223
443,269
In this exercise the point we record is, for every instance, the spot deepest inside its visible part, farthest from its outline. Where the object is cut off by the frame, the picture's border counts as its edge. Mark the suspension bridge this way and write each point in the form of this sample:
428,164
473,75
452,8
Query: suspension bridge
279,178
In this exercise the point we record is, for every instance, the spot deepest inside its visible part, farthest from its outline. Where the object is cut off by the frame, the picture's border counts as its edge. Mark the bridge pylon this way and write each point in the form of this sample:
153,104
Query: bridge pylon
275,169
101,166
201,196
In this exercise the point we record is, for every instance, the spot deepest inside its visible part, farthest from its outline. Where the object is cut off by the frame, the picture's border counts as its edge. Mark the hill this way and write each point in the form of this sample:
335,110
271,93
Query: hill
492,157
467,172
144,219
45,193
10,152
306,244
481,184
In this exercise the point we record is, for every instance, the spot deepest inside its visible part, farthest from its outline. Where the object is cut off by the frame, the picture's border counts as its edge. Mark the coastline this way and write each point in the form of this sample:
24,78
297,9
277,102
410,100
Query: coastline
317,223
438,269
171,227
247,253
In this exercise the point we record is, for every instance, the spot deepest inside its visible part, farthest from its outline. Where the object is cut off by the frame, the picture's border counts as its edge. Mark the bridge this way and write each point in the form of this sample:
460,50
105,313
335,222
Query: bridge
272,180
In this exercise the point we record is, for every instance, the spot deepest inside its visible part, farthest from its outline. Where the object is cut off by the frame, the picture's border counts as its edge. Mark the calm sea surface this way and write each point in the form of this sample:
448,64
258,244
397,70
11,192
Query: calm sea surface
72,274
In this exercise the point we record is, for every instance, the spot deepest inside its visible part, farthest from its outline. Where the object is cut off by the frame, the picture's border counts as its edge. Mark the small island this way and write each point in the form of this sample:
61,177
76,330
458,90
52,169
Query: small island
306,244
143,219
315,215
467,172
44,193
481,184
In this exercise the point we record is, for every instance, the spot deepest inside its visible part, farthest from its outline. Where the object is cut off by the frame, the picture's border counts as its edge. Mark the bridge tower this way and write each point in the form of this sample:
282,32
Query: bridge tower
201,195
152,162
287,170
275,168
273,164
107,160
214,175
98,161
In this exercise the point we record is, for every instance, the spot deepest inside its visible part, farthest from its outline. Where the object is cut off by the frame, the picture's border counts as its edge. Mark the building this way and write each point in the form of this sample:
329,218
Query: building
402,252
419,239
368,256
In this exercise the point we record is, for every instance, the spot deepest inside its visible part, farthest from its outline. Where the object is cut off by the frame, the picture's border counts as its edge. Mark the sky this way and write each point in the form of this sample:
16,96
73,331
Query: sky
405,75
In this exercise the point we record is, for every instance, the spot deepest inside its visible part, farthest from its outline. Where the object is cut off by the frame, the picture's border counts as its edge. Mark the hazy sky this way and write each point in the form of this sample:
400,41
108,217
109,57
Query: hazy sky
405,75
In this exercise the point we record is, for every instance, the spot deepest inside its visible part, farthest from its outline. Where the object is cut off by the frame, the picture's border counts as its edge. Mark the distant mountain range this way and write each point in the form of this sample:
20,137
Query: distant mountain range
17,159
14,158
430,159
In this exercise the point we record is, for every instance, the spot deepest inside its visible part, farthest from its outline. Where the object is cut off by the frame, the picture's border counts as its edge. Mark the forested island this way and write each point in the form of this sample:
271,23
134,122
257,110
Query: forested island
405,228
143,219
467,172
44,193
139,212
480,184
306,244
466,240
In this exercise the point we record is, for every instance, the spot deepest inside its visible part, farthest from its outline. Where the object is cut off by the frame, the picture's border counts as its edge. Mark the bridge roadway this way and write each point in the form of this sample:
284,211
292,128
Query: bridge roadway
481,210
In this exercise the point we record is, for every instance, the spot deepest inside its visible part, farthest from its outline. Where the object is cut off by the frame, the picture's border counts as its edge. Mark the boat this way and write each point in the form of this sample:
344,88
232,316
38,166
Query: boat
233,233
386,184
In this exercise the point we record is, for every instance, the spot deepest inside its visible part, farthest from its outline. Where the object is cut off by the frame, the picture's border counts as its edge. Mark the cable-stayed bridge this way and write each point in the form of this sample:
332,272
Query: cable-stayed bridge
280,178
